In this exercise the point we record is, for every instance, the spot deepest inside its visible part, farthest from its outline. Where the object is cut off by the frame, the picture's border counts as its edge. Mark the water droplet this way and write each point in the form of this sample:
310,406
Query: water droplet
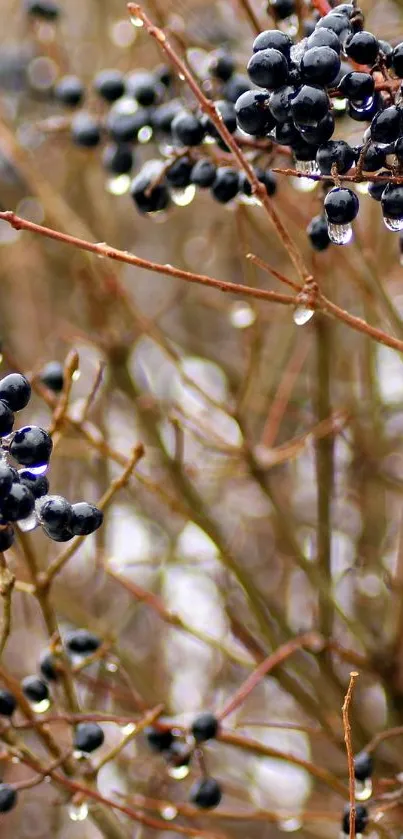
363,188
178,772
242,315
125,105
29,523
128,729
15,759
111,666
339,104
363,789
145,134
394,224
168,812
304,184
79,755
308,167
119,185
136,21
77,373
183,197
182,77
340,234
40,707
78,812
297,51
47,779
289,825
38,470
302,315
251,200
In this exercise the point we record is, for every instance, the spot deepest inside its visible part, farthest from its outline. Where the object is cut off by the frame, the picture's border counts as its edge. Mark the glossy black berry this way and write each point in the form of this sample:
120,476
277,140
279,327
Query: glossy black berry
19,503
363,766
222,65
124,128
178,174
109,84
324,38
69,91
366,112
205,793
44,9
88,736
85,518
31,446
7,537
361,819
336,152
281,9
376,190
8,703
264,176
392,202
35,689
163,115
357,86
318,233
386,125
85,131
268,68
280,103
362,47
15,390
337,22
286,133
52,376
145,88
203,174
117,158
55,512
187,129
82,642
273,39
8,798
341,205
226,111
205,727
6,419
37,484
159,740
309,105
47,666
8,476
236,86
320,65
398,149
164,75
374,158
319,133
148,196
397,60
226,184
253,114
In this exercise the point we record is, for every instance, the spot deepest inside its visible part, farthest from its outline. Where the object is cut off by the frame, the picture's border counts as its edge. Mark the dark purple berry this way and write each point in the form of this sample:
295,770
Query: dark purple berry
226,184
361,819
318,233
187,129
268,68
205,727
15,390
341,205
19,503
363,766
31,446
362,47
85,131
159,740
8,703
85,518
222,65
320,65
88,736
34,689
82,642
52,375
109,84
205,793
69,91
8,798
203,174
309,105
253,114
273,39
6,419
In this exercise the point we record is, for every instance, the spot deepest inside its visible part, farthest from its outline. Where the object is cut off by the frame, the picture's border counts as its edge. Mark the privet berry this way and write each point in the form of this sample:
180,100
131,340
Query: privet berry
363,766
8,703
205,727
31,446
88,736
8,798
82,642
15,390
35,689
158,739
52,376
205,793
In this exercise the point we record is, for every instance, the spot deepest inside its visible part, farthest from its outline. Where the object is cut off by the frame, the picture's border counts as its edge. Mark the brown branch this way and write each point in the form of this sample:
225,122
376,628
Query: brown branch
350,753
7,583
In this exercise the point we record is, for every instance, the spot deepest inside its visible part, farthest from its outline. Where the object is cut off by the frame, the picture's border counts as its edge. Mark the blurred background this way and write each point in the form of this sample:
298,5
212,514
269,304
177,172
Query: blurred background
270,449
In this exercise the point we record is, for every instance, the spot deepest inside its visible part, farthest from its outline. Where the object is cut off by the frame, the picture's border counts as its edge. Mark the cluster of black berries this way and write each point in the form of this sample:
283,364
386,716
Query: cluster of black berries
24,494
206,792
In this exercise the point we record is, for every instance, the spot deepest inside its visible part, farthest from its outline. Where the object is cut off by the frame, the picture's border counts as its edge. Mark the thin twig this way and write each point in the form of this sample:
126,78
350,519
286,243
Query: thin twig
7,583
350,753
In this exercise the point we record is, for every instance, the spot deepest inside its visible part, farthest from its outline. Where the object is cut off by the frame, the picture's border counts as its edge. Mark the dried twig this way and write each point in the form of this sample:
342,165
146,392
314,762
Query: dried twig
349,749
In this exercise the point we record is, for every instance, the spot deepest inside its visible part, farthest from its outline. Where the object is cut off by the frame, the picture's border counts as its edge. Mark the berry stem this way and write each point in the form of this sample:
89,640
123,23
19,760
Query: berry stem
7,583
349,749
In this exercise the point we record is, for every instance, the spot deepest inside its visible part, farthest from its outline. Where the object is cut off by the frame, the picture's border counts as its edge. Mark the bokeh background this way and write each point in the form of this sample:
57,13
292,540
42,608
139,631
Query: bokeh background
232,504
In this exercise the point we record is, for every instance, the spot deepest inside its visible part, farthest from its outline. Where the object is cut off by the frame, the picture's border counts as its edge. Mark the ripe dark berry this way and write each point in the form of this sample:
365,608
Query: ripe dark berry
320,65
280,103
117,158
37,484
52,376
361,819
324,38
226,111
365,113
85,131
150,197
397,60
55,512
236,86
82,642
187,129
145,88
386,51
205,793
7,477
335,152
338,23
222,65
273,39
392,205
376,190
69,91
163,115
363,766
268,69
159,740
309,105
178,174
178,754
226,184
124,128
7,537
203,174
318,233
47,667
6,419
281,9
362,47
19,503
164,75
61,534
16,391
85,518
34,689
386,125
320,133
374,158
109,84
8,703
8,798
253,114
31,446
88,736
341,205
264,176
205,727
357,86
45,9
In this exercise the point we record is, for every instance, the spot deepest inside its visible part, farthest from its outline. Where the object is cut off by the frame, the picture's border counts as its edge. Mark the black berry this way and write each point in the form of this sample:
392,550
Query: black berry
16,391
222,65
362,47
205,793
187,129
82,642
341,205
320,65
253,114
6,419
19,503
109,84
8,798
205,727
47,666
361,819
309,105
203,174
88,737
273,39
336,152
85,518
52,376
363,766
8,703
69,91
31,446
268,68
85,131
159,740
318,233
117,158
34,689
226,184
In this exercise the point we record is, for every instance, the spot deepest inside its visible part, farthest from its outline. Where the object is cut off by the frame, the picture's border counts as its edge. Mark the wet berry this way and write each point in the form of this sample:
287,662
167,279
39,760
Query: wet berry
205,727
187,129
34,689
341,205
159,740
69,91
15,390
31,446
109,84
6,419
8,703
362,47
88,736
203,174
273,39
226,184
8,798
55,512
320,65
85,518
205,793
309,105
363,766
361,819
19,503
281,9
222,65
178,174
387,125
82,642
85,131
357,86
52,376
47,666
318,233
252,113
336,152
150,198
268,68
